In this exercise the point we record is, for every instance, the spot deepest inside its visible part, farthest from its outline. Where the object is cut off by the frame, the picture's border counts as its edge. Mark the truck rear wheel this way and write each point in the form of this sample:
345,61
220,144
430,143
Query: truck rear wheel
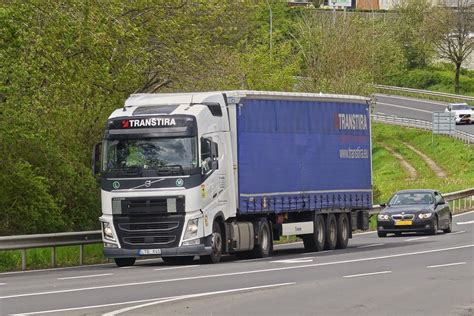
216,245
331,232
315,241
264,246
124,262
342,231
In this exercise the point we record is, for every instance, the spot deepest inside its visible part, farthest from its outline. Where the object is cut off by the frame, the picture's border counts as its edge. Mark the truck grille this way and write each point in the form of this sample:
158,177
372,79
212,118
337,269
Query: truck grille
136,231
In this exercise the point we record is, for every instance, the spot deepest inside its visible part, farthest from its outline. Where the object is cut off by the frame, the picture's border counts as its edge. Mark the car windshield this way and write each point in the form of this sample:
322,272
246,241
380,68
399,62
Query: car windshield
411,198
149,154
457,107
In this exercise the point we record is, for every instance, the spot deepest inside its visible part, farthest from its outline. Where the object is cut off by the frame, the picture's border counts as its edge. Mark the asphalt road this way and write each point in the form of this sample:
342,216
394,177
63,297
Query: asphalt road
407,275
413,108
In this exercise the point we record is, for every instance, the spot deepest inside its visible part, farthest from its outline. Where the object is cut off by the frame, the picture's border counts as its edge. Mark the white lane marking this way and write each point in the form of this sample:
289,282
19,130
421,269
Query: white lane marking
239,273
252,260
446,265
465,223
459,232
465,213
288,244
316,253
366,274
128,309
85,276
128,267
155,300
415,239
411,99
365,233
3,284
297,260
174,268
368,246
404,107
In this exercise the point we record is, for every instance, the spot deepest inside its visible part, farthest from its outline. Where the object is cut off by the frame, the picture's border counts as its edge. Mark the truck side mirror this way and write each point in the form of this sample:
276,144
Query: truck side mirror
96,159
214,151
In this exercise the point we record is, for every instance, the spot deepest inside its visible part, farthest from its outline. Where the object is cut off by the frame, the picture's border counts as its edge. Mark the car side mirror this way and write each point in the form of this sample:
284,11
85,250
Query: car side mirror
96,159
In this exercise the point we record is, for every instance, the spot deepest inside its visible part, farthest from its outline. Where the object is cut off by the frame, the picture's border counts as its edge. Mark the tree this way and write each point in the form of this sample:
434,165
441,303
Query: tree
456,42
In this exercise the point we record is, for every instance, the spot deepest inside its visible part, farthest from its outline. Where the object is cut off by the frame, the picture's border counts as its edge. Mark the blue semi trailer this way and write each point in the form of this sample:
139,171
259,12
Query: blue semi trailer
212,173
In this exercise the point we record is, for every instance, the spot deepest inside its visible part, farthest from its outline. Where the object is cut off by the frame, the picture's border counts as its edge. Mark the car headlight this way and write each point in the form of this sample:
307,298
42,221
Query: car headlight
191,228
108,231
424,215
383,217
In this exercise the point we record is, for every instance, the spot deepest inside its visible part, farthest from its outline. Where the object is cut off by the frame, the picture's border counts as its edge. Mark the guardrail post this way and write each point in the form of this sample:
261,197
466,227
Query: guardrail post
53,257
81,254
23,259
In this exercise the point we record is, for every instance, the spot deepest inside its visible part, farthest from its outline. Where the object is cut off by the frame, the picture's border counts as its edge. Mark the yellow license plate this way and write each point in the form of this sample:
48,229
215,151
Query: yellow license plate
403,223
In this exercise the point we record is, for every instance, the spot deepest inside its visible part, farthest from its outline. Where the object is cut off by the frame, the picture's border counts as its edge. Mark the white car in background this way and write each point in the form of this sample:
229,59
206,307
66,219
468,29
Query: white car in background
462,112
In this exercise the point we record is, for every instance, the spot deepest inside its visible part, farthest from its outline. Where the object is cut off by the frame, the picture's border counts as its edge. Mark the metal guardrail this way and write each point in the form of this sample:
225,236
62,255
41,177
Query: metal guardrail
426,94
415,123
24,242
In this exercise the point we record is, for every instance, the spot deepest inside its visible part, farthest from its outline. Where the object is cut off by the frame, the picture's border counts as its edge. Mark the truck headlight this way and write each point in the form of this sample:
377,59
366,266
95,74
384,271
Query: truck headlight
108,231
424,215
383,217
191,228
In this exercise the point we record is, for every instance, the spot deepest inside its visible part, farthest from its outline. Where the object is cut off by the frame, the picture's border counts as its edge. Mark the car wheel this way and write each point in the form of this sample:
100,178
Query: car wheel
331,232
216,245
434,227
381,234
316,240
124,262
450,225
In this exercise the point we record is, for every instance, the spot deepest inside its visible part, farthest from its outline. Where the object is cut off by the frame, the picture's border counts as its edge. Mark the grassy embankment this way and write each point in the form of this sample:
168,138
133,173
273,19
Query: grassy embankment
453,156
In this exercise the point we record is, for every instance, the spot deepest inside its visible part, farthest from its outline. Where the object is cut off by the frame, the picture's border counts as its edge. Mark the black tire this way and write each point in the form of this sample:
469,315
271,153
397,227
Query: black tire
331,232
434,228
398,234
316,240
264,245
124,262
216,244
342,231
449,229
381,234
178,260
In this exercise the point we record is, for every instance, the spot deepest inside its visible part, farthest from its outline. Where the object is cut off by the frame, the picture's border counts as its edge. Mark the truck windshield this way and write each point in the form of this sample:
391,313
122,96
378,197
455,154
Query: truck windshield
158,154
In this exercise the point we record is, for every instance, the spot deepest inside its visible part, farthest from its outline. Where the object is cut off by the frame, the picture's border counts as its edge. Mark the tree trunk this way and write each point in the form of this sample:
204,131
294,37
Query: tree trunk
456,78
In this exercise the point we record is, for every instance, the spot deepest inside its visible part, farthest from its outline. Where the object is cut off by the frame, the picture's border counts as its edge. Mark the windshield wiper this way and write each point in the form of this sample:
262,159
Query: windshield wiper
170,170
126,171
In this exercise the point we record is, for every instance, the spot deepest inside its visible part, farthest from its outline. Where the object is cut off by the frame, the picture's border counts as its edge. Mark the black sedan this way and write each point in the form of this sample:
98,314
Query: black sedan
415,211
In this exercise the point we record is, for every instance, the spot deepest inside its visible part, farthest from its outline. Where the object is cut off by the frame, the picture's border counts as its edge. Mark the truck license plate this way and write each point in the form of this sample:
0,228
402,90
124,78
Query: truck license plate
403,223
150,252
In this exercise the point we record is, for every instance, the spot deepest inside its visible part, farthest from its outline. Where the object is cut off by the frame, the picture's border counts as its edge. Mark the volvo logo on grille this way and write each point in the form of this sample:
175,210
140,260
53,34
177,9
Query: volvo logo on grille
148,183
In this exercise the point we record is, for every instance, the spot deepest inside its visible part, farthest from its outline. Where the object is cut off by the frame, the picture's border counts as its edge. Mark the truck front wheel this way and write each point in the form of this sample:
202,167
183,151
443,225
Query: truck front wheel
216,245
315,241
124,262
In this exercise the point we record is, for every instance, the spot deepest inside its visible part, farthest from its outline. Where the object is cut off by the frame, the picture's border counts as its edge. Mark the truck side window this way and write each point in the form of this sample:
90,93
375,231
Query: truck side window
205,149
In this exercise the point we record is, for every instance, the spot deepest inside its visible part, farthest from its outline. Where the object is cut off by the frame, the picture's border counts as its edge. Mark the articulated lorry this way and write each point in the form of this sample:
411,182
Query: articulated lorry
213,173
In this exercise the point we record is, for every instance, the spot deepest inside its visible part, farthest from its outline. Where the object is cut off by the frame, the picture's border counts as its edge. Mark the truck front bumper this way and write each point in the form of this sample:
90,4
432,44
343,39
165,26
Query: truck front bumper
194,250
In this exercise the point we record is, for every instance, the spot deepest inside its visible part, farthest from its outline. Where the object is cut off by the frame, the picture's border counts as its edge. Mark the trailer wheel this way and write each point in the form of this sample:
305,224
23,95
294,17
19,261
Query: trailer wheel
124,262
264,246
315,241
342,231
216,244
331,232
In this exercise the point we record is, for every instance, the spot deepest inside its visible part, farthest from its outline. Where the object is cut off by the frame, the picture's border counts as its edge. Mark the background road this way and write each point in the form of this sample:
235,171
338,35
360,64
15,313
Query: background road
413,108
407,275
